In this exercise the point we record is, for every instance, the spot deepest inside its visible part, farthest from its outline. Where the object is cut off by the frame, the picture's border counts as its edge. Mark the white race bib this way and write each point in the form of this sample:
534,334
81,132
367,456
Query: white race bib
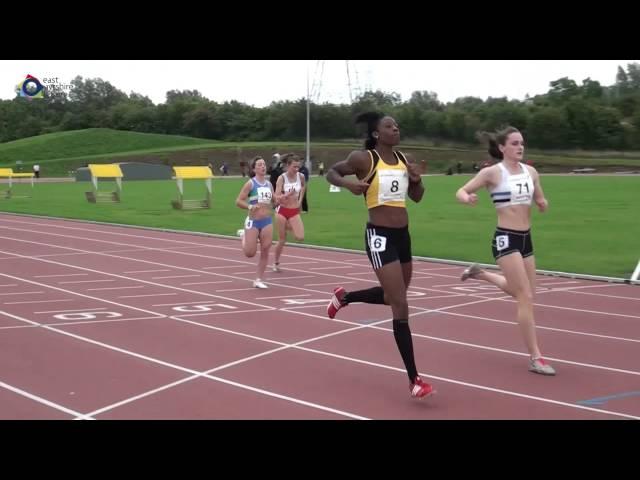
377,243
392,185
502,242
521,187
264,195
248,223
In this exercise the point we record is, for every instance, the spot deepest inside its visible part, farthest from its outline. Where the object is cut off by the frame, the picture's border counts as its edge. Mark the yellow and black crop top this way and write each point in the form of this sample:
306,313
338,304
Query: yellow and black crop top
388,184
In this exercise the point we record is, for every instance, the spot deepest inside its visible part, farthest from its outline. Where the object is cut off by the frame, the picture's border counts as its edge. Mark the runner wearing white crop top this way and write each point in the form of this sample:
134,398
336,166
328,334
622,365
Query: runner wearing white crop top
513,186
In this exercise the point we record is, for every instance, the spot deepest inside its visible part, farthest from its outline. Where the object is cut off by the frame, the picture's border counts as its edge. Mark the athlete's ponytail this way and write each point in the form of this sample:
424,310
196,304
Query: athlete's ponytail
372,119
493,139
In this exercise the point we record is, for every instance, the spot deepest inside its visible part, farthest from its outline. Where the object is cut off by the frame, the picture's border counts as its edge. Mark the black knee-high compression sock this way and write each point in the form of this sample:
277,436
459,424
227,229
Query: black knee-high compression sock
402,334
370,295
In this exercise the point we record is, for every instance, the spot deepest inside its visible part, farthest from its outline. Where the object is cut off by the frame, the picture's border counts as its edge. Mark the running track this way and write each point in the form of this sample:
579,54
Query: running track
105,322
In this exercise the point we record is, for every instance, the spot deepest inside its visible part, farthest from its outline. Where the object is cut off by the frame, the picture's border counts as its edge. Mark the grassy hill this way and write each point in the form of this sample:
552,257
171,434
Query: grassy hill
92,141
62,152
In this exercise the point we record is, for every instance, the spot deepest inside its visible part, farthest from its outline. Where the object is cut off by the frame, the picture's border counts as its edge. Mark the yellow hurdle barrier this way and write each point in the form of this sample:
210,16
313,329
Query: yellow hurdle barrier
108,170
10,175
192,173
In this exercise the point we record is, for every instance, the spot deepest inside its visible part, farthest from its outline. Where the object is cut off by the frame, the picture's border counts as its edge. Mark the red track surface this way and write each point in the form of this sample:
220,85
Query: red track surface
117,323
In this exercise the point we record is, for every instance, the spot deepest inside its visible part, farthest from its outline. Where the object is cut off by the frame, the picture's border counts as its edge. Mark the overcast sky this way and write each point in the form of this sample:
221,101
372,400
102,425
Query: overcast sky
259,82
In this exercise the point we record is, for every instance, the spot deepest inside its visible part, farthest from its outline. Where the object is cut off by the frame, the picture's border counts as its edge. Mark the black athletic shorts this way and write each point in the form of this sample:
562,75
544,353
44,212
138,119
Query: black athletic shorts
506,241
386,245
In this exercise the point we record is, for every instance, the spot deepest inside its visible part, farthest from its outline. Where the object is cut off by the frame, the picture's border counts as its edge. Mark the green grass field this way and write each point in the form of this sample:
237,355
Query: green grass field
592,226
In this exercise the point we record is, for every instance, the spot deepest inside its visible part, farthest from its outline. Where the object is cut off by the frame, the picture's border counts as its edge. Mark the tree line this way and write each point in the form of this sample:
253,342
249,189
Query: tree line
569,115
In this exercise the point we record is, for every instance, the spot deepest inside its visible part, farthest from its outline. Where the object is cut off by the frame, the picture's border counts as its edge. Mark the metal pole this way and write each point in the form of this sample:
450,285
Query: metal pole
308,156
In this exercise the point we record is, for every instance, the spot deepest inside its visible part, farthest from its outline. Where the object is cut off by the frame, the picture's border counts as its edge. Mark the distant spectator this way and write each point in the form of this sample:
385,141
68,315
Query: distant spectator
36,171
459,167
275,161
243,166
321,169
305,171
275,170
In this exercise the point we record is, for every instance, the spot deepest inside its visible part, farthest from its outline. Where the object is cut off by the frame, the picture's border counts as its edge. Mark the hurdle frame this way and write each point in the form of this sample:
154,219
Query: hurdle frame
10,175
192,173
105,170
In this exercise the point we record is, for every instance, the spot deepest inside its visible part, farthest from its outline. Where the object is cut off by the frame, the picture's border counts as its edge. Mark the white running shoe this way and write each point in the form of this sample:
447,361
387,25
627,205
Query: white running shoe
539,365
259,284
471,272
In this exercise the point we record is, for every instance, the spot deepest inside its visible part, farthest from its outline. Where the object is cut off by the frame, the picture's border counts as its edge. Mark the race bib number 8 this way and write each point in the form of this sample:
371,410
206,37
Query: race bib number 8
377,243
393,185
502,242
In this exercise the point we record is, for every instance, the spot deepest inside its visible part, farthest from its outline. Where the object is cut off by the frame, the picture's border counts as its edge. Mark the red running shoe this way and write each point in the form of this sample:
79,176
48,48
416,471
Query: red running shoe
336,302
420,389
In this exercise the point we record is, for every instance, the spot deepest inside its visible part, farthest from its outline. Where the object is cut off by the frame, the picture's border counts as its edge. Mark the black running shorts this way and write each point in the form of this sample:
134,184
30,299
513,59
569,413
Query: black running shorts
385,245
